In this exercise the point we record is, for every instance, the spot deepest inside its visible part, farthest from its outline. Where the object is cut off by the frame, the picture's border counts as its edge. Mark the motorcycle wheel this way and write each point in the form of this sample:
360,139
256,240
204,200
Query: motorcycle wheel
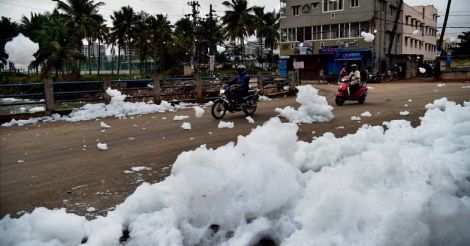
250,107
361,100
339,101
218,109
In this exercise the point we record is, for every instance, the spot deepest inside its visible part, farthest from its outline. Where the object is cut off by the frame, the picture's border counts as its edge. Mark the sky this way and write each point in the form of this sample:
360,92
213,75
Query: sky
175,9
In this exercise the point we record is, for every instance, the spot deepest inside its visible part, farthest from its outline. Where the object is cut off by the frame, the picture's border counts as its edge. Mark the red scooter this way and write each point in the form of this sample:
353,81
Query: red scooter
343,95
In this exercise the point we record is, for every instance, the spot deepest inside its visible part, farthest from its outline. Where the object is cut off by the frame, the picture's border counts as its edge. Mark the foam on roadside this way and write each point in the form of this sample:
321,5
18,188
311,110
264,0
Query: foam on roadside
313,108
389,185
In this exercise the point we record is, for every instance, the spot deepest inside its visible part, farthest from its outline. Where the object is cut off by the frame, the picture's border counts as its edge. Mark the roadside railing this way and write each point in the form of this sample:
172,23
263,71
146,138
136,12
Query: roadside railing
174,90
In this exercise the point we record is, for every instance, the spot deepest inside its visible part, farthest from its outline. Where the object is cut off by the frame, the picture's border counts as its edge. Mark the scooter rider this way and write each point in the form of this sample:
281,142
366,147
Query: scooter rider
241,84
355,79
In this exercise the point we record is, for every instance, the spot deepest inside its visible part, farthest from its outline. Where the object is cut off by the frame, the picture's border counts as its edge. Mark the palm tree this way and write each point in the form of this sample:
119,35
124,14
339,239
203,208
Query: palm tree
101,33
160,33
82,18
9,30
31,28
142,38
267,28
124,22
56,47
117,35
182,38
238,21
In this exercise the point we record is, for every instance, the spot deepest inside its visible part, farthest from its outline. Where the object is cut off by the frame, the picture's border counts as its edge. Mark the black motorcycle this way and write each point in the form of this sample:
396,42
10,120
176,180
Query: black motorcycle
227,102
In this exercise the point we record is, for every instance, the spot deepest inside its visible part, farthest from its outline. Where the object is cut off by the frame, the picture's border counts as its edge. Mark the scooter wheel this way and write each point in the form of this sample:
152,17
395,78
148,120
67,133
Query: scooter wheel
339,101
361,100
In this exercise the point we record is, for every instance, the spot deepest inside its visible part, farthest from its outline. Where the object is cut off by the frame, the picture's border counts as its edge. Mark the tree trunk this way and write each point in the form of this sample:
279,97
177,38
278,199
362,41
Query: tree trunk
242,40
119,59
99,56
129,56
89,56
112,60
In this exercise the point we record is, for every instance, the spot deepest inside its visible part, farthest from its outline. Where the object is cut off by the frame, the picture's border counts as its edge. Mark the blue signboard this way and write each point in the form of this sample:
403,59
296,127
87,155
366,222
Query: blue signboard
283,67
348,56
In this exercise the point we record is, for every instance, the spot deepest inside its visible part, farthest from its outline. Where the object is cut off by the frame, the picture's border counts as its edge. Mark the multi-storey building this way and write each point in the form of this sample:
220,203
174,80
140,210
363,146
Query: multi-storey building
94,50
449,44
419,31
332,31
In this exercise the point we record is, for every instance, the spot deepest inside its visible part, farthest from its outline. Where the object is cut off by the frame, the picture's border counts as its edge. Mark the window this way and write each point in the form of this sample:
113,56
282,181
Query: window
283,9
316,33
333,15
300,34
292,34
332,5
308,33
354,3
283,35
355,29
295,10
334,31
406,41
315,5
326,31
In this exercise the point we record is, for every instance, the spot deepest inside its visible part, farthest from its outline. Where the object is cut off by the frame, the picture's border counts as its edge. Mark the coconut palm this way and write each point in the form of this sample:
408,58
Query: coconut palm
160,35
81,18
267,28
124,22
101,33
9,30
238,21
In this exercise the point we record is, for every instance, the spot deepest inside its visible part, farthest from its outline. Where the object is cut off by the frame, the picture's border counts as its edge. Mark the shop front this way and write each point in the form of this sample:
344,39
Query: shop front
336,57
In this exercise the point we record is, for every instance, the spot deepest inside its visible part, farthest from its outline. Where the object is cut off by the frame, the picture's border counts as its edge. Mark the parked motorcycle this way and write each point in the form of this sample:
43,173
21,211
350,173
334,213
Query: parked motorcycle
227,102
343,92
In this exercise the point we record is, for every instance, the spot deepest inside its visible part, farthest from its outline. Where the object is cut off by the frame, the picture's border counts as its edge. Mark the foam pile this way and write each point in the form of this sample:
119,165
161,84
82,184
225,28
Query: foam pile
368,37
313,108
21,51
384,185
116,108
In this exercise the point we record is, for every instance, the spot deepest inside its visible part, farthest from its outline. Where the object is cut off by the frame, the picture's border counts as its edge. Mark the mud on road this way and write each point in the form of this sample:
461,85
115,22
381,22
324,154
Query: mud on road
58,164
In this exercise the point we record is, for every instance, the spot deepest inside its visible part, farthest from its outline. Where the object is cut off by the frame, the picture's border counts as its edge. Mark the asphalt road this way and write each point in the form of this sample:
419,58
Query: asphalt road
58,164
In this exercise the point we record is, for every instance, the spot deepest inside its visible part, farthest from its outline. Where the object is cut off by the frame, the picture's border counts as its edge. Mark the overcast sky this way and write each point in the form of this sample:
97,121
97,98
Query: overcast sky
176,9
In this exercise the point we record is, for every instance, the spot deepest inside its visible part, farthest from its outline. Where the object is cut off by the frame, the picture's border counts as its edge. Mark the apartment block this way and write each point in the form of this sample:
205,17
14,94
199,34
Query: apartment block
419,31
326,34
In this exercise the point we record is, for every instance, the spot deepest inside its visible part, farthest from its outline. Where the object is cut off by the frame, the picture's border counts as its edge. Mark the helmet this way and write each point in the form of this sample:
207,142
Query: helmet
354,66
241,68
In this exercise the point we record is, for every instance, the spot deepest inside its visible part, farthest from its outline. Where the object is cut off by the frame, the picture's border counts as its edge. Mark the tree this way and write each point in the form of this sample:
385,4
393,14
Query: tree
160,35
124,22
9,31
238,21
142,38
101,33
81,19
463,48
267,29
57,48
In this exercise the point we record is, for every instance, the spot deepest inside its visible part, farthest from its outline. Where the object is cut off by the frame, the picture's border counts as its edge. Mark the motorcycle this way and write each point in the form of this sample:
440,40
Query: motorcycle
226,102
343,92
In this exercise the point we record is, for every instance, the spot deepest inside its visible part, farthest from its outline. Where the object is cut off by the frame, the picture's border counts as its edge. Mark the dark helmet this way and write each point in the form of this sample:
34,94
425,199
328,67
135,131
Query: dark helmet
241,69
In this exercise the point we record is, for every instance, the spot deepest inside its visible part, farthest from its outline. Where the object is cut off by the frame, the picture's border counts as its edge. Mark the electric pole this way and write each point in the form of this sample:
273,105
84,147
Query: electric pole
437,73
211,25
194,5
394,31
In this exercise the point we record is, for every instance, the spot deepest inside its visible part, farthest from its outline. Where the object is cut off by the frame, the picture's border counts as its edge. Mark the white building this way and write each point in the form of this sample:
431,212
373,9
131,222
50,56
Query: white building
420,31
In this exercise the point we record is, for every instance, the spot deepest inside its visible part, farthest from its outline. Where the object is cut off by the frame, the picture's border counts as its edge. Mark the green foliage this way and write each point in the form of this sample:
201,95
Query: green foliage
8,31
464,45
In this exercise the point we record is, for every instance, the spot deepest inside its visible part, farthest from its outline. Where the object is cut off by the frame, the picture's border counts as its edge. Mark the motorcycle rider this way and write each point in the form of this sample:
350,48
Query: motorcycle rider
355,80
240,85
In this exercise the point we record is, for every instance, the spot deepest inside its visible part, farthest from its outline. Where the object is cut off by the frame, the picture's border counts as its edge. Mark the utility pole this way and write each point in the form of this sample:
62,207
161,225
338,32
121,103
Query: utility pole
194,5
394,31
211,25
437,66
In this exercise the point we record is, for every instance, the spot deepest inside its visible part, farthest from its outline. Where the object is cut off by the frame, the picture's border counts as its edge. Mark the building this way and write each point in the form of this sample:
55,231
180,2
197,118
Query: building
331,31
448,44
419,31
94,50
